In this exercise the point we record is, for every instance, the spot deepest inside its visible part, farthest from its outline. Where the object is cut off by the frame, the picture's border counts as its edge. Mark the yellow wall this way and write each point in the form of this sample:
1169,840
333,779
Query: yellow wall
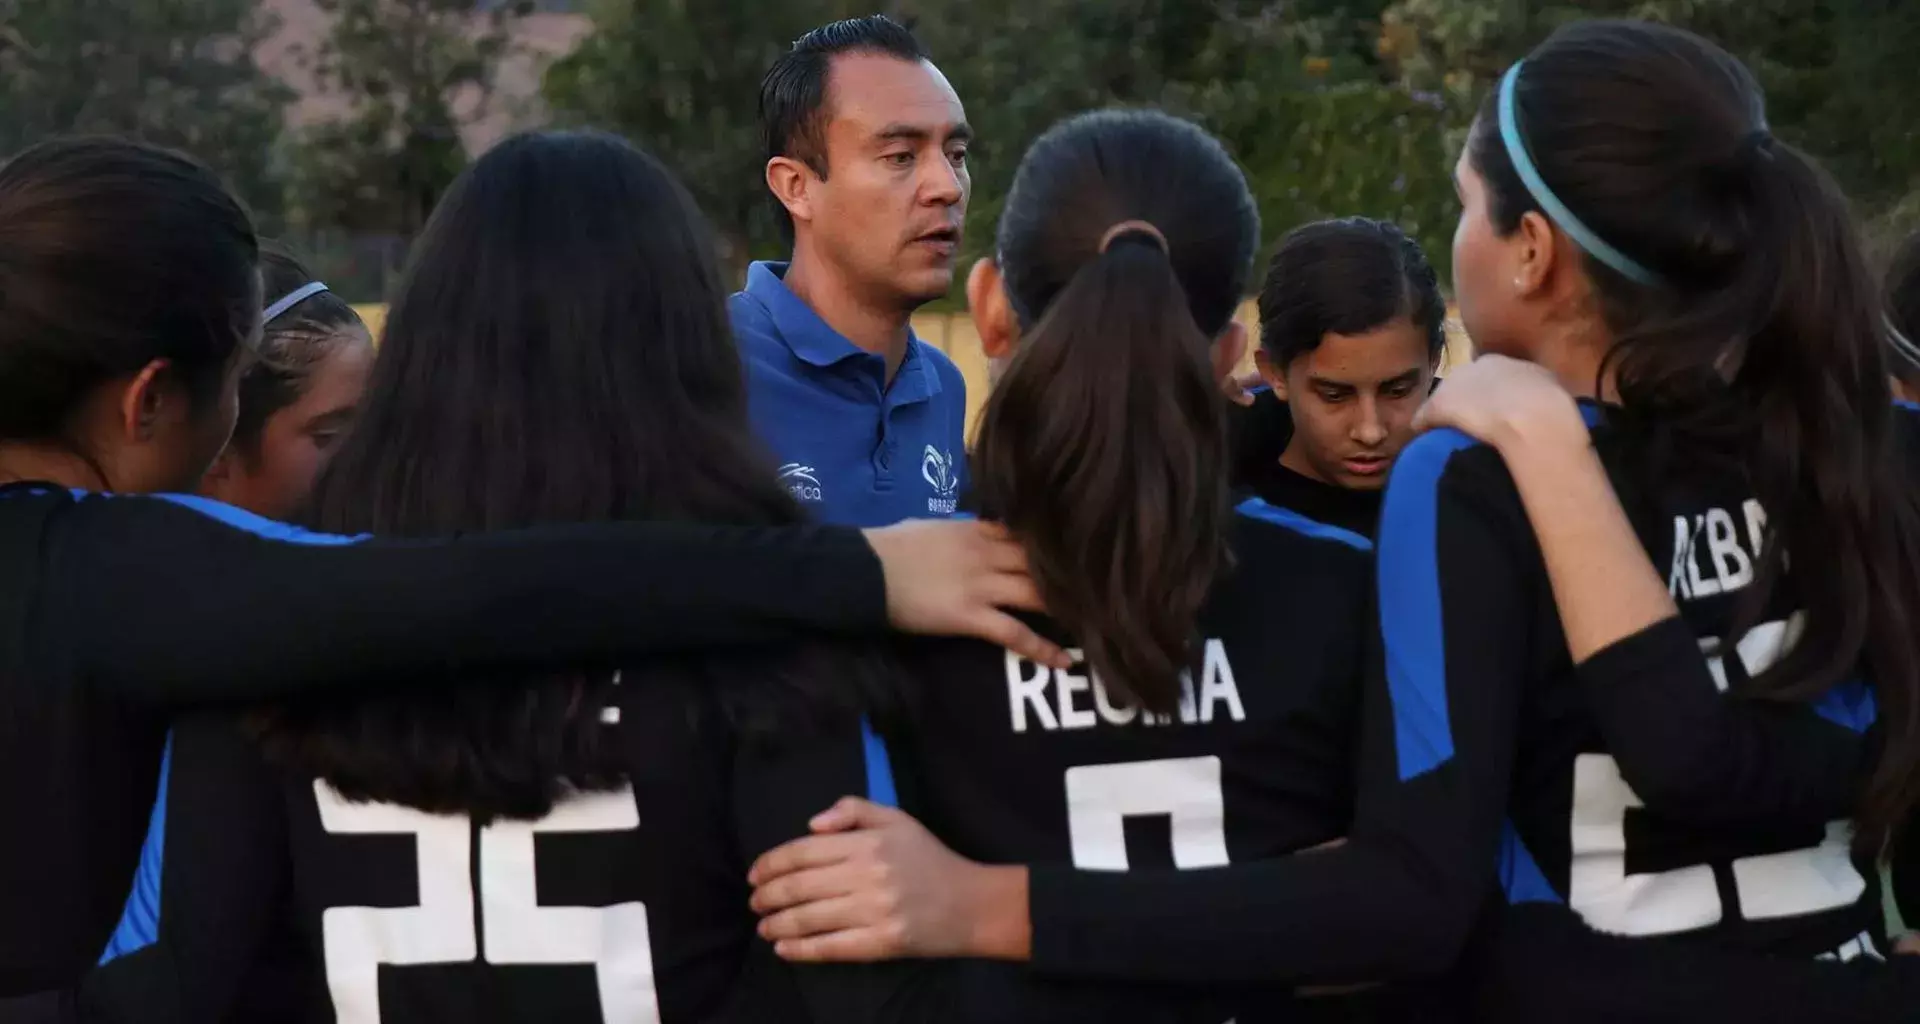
953,334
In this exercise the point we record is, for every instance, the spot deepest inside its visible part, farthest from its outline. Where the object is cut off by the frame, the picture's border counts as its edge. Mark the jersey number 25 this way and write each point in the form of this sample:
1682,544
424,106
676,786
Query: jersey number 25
1774,885
441,929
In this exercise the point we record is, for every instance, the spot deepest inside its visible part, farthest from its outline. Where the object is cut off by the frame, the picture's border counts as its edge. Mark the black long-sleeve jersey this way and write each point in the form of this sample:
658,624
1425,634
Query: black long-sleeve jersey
1628,789
627,906
116,610
1012,762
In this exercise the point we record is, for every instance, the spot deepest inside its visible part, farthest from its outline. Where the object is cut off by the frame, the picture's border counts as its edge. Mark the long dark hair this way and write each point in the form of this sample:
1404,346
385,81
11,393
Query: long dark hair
1347,276
1903,312
1103,447
292,344
1761,343
557,352
114,254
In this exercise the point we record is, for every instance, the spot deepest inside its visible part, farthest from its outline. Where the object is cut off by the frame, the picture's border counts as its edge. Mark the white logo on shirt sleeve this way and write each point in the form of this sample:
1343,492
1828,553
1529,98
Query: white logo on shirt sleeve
801,481
942,474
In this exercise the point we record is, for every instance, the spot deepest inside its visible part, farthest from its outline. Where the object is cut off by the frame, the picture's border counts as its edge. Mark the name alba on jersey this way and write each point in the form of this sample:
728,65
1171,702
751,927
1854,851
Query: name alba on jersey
1056,699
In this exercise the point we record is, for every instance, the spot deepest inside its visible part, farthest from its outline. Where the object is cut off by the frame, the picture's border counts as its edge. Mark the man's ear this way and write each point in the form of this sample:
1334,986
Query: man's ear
993,317
791,182
1272,373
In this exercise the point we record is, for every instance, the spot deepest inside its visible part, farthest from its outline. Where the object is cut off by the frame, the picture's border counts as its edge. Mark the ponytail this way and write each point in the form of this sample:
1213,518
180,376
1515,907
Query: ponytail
1903,313
1816,376
1799,332
1103,449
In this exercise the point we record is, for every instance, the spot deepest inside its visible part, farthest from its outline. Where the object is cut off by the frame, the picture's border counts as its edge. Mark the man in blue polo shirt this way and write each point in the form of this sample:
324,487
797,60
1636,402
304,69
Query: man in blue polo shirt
866,145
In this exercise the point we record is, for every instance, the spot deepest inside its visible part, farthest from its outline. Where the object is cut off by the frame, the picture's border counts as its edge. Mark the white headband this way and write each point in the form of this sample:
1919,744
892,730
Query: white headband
291,299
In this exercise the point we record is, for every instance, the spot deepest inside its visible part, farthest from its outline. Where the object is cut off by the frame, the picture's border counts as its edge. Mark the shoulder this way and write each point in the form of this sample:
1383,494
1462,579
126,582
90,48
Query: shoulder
173,516
1258,523
1443,466
1280,554
753,326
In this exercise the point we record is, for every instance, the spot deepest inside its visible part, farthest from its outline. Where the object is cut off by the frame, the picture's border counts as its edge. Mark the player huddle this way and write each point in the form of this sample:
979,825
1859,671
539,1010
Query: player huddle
1597,700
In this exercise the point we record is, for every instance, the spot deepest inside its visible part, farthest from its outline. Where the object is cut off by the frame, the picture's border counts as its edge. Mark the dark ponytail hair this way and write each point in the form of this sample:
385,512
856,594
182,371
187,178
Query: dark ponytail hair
1903,313
1758,340
114,254
292,344
1103,447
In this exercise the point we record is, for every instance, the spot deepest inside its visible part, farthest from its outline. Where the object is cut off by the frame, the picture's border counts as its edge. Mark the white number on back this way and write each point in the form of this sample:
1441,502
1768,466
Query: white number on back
357,940
1187,790
1658,903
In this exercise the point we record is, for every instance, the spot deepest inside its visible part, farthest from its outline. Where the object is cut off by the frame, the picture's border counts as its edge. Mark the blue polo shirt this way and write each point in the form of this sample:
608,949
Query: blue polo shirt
854,450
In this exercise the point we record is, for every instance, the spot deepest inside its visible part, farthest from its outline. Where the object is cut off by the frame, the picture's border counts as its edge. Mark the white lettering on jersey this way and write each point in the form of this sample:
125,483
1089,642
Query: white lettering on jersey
518,930
1067,708
1216,684
1067,683
1730,564
1028,691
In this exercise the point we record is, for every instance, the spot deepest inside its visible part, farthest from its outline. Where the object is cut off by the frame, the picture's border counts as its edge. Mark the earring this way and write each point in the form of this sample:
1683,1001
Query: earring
1519,284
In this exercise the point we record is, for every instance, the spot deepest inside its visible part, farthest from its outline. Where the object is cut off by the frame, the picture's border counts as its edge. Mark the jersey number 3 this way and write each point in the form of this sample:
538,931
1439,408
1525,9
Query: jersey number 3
441,929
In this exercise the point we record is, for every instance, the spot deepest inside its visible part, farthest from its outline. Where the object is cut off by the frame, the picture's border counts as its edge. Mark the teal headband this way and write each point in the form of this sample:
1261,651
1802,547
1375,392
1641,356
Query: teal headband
1550,204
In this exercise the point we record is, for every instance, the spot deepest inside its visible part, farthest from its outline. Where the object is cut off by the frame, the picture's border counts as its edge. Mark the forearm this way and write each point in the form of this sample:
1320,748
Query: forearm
1604,584
167,605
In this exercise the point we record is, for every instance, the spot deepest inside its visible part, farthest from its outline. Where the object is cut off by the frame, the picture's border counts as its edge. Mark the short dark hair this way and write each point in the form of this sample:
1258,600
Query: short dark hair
793,95
1110,401
113,254
291,345
558,352
1347,276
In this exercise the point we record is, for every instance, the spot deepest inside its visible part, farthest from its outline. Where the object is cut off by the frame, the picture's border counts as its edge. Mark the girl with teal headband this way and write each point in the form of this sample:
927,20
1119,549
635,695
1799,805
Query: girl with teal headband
1623,715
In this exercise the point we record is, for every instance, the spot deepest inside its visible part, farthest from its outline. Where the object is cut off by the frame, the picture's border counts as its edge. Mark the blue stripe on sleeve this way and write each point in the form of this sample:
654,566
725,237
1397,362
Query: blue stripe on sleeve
880,787
1520,875
1850,704
257,525
1255,508
1909,406
139,925
1411,627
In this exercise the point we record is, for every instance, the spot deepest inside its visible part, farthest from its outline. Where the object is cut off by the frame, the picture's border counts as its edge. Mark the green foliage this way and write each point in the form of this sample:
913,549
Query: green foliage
177,73
682,78
1837,73
410,73
1296,90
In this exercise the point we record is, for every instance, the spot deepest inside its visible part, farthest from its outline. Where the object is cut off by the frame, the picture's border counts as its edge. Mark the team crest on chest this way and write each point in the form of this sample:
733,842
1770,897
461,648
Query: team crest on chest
943,475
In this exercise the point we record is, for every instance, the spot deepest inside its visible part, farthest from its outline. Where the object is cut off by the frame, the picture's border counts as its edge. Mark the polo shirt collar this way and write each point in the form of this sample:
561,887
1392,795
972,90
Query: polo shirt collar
814,342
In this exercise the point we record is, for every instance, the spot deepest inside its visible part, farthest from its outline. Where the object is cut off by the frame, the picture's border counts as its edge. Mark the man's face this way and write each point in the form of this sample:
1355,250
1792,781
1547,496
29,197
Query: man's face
1353,400
889,213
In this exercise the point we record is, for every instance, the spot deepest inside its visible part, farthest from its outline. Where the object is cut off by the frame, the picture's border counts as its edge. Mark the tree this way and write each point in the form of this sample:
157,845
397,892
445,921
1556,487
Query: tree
1836,72
177,73
411,73
682,78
